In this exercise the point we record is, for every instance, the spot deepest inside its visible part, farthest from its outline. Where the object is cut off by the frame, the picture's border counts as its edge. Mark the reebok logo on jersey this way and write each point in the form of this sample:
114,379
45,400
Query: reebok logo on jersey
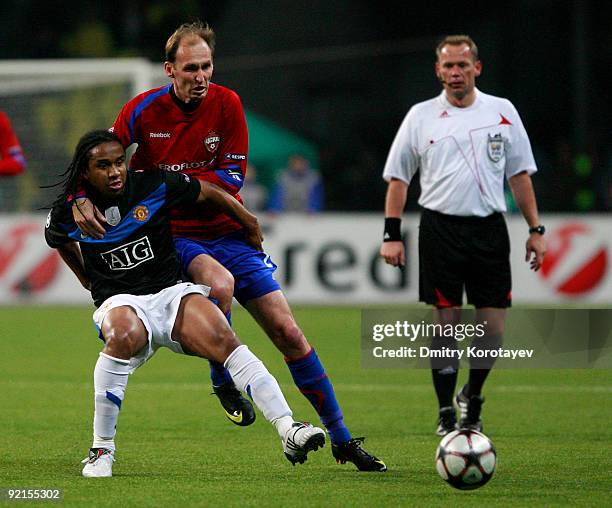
129,255
159,134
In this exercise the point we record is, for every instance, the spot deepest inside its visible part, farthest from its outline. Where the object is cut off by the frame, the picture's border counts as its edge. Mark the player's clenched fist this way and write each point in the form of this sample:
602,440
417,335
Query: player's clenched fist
393,253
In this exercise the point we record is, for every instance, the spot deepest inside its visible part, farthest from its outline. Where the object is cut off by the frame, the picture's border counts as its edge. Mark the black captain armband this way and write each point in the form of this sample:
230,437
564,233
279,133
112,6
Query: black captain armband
393,227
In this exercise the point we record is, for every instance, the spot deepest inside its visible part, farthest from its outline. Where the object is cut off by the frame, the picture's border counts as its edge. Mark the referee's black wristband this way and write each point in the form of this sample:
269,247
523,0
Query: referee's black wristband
393,227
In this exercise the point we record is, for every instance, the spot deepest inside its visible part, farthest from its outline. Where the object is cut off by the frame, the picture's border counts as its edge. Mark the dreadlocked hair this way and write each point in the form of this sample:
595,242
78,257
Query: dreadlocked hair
72,175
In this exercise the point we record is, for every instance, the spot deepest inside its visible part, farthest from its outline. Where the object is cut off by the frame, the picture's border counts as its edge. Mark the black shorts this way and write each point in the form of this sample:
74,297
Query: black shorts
457,252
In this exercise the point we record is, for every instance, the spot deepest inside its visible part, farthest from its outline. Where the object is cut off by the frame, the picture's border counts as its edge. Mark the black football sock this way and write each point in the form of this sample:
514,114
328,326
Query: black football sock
476,381
444,369
480,367
444,381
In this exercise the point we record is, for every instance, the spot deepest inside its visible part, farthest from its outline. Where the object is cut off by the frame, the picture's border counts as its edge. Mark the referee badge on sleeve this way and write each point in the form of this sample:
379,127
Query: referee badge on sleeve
495,147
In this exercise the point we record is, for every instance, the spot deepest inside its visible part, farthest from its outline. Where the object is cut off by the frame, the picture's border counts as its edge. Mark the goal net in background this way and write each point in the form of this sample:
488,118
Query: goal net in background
51,104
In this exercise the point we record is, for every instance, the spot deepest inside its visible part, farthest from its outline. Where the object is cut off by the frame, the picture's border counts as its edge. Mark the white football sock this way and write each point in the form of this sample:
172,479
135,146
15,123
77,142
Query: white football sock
283,424
110,380
251,376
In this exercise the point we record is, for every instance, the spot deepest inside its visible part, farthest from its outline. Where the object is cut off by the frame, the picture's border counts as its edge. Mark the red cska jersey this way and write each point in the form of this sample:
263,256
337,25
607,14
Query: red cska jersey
208,141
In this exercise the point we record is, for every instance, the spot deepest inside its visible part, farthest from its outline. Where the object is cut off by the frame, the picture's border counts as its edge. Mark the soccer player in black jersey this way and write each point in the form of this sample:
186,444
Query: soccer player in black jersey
135,280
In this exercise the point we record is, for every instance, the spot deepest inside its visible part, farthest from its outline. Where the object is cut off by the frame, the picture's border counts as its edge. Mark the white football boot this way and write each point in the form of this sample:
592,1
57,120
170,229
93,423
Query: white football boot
300,439
99,464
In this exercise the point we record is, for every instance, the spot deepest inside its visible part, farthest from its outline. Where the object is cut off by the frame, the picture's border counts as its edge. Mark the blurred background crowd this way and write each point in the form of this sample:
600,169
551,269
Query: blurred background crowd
325,86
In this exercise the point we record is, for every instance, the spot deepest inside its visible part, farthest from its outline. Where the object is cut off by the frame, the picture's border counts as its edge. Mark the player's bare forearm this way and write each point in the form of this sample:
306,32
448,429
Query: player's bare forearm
232,207
71,254
393,252
524,196
395,200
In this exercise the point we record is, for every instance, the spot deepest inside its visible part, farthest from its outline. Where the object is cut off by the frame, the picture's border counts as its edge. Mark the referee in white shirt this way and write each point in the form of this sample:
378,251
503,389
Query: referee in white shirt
465,143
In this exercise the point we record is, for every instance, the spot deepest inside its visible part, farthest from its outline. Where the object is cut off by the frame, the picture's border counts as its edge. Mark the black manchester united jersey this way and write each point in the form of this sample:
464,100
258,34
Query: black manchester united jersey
137,255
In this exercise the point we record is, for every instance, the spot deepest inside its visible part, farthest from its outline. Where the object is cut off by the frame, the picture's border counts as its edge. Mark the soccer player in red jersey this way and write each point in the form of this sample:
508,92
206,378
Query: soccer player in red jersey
198,128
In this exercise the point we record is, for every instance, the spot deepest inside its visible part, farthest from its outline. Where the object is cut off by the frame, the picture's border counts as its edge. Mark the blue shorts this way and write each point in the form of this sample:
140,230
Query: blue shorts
252,270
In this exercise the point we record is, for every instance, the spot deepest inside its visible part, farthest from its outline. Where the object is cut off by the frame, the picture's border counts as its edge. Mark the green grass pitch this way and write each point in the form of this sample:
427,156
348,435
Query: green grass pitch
551,428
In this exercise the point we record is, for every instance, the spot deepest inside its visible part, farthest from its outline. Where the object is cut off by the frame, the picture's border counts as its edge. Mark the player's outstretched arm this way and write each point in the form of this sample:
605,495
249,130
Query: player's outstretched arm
524,195
392,249
88,218
232,207
71,254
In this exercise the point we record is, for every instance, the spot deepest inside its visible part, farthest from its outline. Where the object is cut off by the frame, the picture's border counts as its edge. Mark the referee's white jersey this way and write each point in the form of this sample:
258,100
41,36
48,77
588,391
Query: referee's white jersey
463,153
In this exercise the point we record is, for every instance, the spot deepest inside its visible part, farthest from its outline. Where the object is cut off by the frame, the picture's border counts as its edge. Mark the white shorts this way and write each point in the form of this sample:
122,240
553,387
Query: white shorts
157,312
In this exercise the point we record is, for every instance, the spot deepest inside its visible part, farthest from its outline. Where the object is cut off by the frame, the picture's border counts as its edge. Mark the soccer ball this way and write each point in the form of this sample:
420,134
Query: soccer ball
466,459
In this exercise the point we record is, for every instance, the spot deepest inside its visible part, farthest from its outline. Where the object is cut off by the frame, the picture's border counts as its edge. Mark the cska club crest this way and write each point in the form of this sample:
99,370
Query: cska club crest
495,147
211,141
